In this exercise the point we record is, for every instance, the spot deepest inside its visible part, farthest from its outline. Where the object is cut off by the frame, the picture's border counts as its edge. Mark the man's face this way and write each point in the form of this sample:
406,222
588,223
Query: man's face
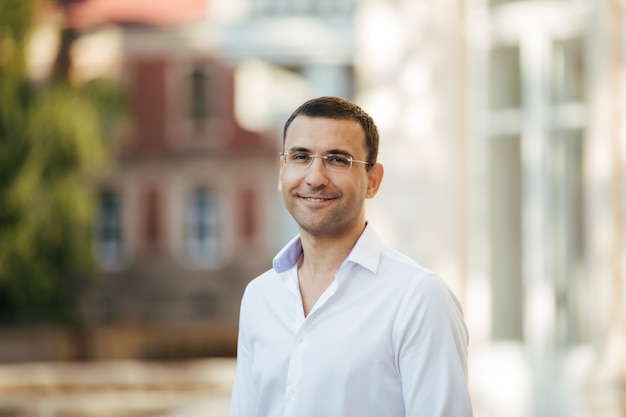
322,201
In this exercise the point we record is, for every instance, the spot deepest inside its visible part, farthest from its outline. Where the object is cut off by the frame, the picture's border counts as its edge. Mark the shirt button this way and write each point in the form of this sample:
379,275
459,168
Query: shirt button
299,340
291,391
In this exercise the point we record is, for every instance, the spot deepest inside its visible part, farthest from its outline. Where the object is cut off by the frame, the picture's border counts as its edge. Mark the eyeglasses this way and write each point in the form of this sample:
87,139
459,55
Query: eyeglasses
333,162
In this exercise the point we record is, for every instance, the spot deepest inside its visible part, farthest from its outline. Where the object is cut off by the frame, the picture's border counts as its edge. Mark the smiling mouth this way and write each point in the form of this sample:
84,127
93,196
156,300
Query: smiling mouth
316,200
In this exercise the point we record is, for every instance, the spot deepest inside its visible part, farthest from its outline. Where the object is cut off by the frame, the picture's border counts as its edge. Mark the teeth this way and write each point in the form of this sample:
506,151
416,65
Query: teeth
316,199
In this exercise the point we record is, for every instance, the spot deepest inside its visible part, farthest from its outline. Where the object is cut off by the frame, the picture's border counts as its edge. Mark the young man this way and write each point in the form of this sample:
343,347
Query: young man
343,326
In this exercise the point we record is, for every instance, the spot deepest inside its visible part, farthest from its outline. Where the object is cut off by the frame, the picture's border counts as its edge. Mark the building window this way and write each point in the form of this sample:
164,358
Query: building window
505,78
505,226
568,71
202,105
558,85
109,230
202,236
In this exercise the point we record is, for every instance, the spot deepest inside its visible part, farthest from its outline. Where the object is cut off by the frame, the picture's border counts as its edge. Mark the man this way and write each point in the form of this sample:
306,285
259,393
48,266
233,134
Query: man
343,326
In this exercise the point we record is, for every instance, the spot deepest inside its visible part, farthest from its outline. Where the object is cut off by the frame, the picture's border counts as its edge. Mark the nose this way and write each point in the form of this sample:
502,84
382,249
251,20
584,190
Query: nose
316,173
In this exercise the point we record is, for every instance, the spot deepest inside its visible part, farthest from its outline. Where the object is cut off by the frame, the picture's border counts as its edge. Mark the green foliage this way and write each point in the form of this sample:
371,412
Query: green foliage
15,24
52,145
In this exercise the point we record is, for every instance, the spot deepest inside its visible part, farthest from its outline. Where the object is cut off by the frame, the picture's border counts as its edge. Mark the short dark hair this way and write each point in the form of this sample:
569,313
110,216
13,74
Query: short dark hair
339,108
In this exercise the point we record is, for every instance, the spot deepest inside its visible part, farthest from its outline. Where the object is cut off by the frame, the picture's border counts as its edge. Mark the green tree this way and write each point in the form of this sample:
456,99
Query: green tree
52,147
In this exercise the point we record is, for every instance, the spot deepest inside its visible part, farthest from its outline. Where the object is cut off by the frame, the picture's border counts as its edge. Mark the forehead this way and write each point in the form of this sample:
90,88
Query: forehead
322,134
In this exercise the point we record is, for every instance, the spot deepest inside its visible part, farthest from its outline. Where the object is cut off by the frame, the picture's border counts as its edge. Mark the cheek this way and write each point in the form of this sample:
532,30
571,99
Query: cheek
366,187
286,180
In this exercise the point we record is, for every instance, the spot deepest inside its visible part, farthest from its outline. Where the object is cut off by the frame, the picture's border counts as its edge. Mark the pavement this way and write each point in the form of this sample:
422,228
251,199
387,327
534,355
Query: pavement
117,389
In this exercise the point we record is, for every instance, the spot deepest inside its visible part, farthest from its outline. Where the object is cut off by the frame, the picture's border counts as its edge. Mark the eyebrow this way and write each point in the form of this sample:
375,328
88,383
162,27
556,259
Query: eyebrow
329,152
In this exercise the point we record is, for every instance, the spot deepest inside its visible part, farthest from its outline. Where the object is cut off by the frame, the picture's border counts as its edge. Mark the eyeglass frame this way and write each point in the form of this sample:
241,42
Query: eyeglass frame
324,158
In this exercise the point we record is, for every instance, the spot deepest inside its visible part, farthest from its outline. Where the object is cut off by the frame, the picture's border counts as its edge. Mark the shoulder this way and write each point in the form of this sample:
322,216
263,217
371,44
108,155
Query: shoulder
396,265
422,288
420,292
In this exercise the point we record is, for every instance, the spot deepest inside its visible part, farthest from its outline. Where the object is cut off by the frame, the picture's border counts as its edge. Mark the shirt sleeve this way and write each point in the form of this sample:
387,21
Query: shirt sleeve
244,392
431,348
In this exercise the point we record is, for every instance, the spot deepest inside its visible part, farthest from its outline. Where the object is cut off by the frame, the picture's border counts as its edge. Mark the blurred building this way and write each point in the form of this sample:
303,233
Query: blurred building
504,122
187,211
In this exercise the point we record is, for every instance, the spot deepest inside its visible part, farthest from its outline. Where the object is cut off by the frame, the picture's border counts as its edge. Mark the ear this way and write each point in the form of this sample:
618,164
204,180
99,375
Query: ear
374,178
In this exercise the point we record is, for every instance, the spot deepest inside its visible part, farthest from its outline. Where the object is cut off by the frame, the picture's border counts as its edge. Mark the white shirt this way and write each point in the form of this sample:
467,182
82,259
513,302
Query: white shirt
386,339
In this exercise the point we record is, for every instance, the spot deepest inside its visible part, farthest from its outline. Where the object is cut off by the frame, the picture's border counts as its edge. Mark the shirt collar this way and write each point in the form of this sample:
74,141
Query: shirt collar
288,256
366,252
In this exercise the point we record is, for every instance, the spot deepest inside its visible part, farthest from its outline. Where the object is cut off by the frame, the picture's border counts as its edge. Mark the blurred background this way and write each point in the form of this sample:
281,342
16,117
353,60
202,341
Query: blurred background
139,149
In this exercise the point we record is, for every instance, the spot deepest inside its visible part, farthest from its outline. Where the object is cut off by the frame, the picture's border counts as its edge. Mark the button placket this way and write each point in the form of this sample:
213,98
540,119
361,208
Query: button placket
296,363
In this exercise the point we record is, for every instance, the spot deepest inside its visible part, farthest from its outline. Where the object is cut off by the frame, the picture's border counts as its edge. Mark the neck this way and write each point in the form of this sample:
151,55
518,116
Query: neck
325,254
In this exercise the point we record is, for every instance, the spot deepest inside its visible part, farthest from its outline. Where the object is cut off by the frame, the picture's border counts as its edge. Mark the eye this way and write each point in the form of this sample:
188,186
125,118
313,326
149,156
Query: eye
338,160
300,157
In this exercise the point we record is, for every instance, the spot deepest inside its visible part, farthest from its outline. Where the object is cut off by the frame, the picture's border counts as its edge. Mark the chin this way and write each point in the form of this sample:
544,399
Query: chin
324,229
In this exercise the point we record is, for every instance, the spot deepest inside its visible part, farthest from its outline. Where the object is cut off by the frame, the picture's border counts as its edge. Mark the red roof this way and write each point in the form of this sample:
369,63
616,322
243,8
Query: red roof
84,14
